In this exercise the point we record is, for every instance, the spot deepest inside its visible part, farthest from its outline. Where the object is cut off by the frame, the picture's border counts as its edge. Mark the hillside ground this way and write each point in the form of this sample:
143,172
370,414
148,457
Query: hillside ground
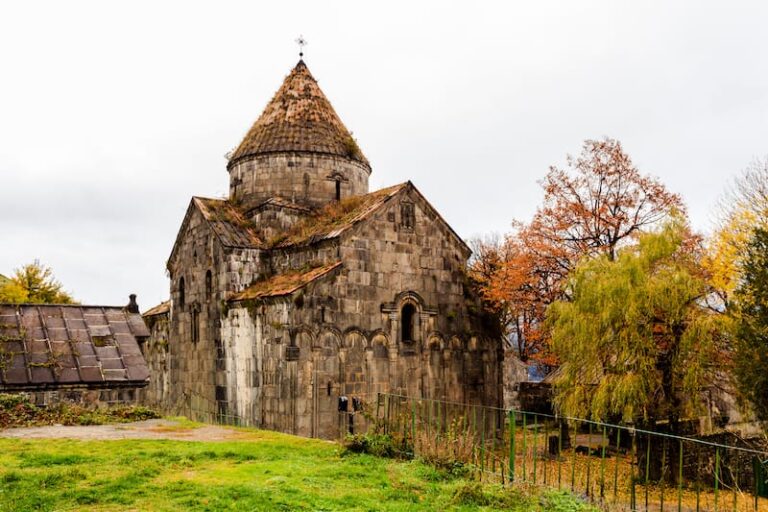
171,469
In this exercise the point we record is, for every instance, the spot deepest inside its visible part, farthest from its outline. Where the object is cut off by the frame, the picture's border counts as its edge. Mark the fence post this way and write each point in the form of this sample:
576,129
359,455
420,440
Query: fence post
616,467
512,428
482,442
589,462
535,443
717,476
647,466
559,454
603,442
413,426
680,478
633,464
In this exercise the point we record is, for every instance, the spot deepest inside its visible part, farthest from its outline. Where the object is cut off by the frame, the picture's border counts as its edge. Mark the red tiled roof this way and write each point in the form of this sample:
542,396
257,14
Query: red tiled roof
284,284
50,346
299,118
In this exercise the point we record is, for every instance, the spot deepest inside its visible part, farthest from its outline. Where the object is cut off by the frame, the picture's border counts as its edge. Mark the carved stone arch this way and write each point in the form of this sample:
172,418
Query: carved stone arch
378,363
454,370
435,341
434,367
409,296
302,342
379,338
326,365
348,335
325,336
337,176
301,330
354,364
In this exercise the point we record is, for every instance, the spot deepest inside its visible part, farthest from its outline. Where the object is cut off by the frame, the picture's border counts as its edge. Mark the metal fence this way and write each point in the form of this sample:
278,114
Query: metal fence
614,466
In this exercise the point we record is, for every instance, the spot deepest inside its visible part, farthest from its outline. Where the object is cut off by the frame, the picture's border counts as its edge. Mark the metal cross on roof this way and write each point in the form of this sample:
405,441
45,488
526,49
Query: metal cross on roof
302,43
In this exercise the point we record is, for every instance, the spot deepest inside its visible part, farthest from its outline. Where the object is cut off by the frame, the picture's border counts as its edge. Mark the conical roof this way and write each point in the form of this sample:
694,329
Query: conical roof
299,118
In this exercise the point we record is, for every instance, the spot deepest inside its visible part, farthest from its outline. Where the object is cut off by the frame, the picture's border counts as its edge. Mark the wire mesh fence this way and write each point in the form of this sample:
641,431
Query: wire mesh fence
615,466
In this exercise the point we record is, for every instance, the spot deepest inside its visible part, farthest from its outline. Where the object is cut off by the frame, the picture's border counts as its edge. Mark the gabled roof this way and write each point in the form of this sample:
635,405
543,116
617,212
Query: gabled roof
226,221
338,217
335,218
49,346
161,309
284,284
299,118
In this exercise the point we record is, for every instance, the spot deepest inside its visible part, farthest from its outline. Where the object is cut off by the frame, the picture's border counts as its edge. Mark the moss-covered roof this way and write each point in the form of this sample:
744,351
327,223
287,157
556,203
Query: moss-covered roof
299,118
334,218
47,346
284,284
161,309
228,223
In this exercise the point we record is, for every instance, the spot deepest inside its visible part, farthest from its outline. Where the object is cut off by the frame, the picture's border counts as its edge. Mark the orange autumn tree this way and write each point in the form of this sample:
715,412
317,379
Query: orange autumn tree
598,204
506,275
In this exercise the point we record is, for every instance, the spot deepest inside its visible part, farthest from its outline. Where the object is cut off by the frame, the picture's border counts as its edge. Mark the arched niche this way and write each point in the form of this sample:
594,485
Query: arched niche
354,371
434,367
303,383
326,384
378,364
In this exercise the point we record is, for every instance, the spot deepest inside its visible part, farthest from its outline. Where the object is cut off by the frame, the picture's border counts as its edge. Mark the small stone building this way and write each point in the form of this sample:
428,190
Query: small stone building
303,286
84,354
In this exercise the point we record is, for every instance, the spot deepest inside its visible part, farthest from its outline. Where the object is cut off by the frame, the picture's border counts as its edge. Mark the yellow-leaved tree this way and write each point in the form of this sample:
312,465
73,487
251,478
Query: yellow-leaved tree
33,283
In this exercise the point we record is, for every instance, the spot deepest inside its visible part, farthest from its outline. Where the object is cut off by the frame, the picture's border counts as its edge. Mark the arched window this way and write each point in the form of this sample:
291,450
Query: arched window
408,319
338,189
181,292
208,285
195,327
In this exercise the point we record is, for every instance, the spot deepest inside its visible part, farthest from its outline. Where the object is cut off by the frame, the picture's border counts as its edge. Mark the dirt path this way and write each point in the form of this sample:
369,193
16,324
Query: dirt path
150,429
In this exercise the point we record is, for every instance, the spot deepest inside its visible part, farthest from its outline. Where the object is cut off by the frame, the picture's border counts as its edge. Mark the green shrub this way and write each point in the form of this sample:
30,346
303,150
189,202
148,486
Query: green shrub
380,445
19,411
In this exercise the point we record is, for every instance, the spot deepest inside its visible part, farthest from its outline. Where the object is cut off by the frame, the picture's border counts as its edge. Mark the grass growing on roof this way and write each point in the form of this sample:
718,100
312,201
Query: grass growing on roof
270,471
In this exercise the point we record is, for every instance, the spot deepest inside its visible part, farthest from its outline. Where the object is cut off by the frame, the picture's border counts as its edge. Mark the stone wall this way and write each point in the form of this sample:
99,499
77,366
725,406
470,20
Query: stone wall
87,397
343,336
304,178
196,355
156,354
283,363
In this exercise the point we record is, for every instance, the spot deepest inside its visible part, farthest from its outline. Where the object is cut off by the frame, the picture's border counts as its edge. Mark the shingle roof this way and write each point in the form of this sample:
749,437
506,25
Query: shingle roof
299,118
334,218
284,284
160,309
228,222
49,346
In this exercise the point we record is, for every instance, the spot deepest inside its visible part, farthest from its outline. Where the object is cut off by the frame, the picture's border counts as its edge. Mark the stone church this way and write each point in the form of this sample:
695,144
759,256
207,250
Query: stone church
303,286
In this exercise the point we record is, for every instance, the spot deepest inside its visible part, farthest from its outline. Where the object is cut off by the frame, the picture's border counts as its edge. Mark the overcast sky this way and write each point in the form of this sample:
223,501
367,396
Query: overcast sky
112,115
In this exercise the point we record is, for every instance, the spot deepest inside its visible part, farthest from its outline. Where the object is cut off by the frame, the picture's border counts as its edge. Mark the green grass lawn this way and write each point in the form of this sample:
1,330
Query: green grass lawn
265,471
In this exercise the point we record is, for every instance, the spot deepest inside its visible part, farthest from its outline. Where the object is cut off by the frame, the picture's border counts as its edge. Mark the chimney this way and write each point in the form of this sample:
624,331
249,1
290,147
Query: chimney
132,306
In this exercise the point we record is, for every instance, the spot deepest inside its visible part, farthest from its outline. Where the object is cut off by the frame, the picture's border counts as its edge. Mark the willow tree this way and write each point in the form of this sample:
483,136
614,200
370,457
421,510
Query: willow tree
636,340
751,358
